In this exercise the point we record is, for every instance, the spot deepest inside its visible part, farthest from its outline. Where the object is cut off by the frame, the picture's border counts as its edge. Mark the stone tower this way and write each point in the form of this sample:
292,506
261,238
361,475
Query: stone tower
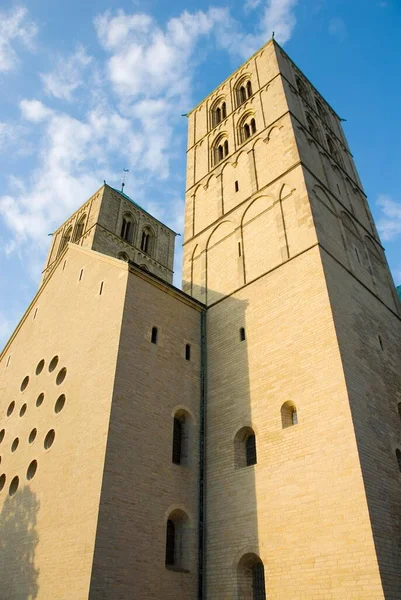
302,421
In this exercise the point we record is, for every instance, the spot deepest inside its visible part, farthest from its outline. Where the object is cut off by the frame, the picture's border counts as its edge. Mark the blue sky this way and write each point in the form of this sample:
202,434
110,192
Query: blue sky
90,88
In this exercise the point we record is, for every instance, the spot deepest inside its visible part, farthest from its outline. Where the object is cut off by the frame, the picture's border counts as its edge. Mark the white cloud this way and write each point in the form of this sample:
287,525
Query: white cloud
15,28
134,103
34,110
67,75
389,225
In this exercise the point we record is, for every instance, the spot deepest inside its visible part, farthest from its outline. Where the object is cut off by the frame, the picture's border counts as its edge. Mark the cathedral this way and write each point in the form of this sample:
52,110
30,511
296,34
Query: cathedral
236,439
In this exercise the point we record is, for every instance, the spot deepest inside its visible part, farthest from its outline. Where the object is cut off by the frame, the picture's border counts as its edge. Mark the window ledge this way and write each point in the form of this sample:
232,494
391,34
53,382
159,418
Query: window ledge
177,569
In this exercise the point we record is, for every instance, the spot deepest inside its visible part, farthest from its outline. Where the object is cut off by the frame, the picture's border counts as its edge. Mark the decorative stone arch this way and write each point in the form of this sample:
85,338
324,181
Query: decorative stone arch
221,248
285,191
144,268
373,249
251,206
322,195
198,272
301,87
123,256
349,224
148,240
219,227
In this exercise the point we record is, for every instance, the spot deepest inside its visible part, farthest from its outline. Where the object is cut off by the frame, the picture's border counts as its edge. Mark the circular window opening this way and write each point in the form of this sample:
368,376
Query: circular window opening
14,445
2,434
24,384
40,366
53,363
30,474
14,486
61,376
22,410
39,399
59,404
2,481
49,439
32,436
10,408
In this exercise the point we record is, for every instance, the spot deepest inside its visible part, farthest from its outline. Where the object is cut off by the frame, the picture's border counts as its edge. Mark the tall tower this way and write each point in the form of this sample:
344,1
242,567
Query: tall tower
302,420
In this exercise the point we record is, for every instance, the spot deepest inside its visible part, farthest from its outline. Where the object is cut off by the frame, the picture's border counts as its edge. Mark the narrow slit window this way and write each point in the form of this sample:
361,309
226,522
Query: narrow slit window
381,342
398,455
187,352
357,255
224,110
170,543
239,249
250,450
218,115
154,335
242,334
35,313
101,289
236,186
226,148
177,441
80,275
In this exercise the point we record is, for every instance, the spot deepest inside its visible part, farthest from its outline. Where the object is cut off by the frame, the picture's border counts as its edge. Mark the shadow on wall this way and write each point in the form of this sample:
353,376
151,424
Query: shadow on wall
18,541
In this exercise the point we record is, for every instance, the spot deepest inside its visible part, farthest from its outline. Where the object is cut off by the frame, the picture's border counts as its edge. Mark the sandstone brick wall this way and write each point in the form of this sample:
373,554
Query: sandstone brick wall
141,485
48,526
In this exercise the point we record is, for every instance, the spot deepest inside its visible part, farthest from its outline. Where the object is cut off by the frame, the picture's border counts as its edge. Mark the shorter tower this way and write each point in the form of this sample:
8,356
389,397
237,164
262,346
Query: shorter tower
111,223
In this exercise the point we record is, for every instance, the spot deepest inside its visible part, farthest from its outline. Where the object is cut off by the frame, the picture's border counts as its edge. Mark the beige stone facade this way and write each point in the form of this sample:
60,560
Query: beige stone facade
237,440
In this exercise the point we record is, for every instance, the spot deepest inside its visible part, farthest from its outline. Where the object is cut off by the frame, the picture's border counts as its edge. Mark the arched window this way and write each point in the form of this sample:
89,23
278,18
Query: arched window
321,111
243,91
289,415
147,240
79,228
127,228
218,112
242,334
123,256
247,127
312,128
177,541
220,150
251,578
181,437
153,338
301,89
65,239
333,149
249,89
398,455
245,448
